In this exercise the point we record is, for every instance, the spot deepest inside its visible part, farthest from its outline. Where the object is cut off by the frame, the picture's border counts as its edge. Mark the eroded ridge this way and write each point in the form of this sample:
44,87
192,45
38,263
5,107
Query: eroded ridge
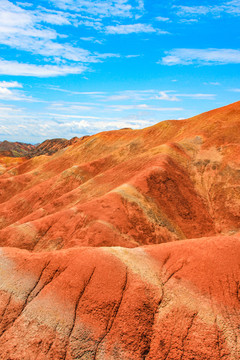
167,301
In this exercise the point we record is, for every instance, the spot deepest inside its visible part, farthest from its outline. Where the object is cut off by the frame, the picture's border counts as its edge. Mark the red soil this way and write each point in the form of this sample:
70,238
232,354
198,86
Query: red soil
168,301
175,180
117,190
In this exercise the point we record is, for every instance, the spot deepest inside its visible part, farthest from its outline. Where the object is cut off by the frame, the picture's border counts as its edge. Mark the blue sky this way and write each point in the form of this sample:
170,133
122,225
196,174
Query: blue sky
75,67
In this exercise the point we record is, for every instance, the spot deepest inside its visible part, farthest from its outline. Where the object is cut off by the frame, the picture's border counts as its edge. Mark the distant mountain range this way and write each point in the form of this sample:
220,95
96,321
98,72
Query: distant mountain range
15,149
19,149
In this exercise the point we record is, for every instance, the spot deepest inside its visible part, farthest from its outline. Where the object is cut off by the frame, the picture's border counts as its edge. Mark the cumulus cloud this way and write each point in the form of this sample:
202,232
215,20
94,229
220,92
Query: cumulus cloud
201,57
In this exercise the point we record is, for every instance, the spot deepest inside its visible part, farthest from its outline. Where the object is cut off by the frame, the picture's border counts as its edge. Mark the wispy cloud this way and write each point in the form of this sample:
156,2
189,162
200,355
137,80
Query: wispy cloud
103,8
201,57
199,96
72,92
161,18
10,84
227,7
164,95
92,40
21,69
8,91
148,95
26,30
133,28
143,107
213,83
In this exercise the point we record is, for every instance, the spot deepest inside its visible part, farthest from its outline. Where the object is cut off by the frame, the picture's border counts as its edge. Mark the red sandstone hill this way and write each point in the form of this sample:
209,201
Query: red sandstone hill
91,265
172,181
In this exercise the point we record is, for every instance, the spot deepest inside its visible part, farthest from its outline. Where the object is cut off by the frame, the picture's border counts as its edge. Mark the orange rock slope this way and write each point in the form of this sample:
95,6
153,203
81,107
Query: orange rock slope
170,301
172,181
63,298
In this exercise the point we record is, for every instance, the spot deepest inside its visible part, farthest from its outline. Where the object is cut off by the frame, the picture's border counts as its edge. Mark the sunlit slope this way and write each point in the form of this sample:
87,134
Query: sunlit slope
174,180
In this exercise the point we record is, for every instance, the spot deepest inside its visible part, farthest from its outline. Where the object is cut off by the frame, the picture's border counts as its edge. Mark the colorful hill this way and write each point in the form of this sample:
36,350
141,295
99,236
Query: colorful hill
48,147
124,244
173,181
15,149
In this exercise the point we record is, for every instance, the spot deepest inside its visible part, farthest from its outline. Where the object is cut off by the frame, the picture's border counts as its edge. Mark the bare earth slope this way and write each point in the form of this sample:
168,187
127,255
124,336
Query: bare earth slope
125,245
171,301
175,180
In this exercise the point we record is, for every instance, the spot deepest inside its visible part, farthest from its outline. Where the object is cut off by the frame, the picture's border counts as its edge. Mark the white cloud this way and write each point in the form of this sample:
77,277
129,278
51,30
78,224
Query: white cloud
25,4
198,96
214,83
10,84
188,21
76,124
68,116
193,10
8,109
163,95
144,107
103,8
92,40
21,69
132,96
132,56
161,18
8,91
23,30
129,29
52,17
133,28
227,7
201,57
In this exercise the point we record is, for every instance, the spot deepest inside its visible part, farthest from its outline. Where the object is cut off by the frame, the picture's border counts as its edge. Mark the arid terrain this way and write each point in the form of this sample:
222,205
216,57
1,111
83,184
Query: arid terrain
124,244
